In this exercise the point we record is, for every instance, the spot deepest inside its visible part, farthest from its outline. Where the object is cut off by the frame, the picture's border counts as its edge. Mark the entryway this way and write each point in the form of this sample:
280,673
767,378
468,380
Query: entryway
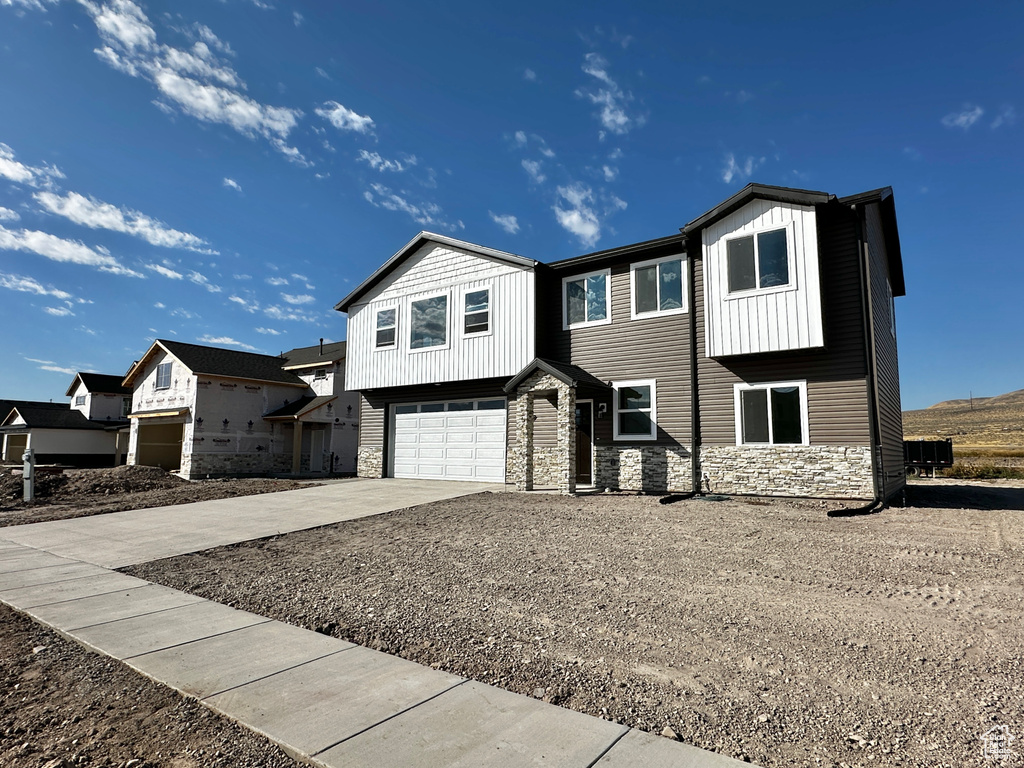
584,442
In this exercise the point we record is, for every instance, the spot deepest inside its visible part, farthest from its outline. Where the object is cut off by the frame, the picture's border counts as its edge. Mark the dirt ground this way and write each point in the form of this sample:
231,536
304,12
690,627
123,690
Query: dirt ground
762,629
63,706
82,492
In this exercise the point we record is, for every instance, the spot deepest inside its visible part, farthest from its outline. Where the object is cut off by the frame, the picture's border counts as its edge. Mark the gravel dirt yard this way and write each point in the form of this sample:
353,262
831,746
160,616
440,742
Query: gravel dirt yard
82,492
63,706
758,628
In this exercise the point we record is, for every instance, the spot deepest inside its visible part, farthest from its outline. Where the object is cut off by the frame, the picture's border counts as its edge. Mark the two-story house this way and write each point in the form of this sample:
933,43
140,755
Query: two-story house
753,352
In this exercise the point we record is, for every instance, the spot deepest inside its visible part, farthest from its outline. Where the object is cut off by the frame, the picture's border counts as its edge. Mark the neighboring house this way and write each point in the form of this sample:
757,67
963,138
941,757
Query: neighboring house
322,367
87,432
205,412
754,352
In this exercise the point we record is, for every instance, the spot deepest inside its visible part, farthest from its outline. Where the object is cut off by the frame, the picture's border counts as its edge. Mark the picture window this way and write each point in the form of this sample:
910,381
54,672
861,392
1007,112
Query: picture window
429,323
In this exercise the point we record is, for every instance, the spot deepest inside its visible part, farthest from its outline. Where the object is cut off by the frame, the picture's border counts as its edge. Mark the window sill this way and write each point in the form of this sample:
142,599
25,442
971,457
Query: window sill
590,324
659,313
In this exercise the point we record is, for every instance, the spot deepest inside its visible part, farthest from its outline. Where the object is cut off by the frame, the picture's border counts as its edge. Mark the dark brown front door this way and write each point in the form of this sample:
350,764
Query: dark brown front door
584,443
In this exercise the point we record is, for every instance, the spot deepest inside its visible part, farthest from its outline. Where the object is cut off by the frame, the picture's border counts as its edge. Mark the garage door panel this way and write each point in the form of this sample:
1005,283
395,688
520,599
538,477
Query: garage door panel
457,441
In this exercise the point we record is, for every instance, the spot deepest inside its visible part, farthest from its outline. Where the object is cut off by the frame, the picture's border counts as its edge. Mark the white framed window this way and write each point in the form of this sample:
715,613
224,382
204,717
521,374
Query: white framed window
387,328
586,300
476,312
773,413
428,323
760,261
319,373
634,409
79,399
892,307
658,287
163,376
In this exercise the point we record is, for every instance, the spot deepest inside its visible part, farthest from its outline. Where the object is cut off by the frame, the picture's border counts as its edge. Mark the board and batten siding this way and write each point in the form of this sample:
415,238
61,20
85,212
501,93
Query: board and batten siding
440,269
627,350
887,373
836,376
768,320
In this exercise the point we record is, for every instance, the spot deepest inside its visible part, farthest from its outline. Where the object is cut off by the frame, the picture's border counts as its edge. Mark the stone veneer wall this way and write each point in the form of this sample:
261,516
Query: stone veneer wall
195,466
545,468
528,467
819,471
370,462
643,468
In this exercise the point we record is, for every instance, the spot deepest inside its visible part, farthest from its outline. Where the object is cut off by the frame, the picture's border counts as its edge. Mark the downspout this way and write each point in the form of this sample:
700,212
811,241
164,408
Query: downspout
695,483
869,354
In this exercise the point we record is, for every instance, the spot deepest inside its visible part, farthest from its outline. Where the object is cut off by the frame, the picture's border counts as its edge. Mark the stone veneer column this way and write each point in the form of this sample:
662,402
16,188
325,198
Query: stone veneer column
566,438
524,441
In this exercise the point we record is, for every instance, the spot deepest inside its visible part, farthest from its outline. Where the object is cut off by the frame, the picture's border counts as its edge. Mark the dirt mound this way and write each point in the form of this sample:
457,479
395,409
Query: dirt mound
87,482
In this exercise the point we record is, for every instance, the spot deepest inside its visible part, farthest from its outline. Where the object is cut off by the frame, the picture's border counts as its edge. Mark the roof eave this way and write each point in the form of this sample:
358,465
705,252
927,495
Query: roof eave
756,192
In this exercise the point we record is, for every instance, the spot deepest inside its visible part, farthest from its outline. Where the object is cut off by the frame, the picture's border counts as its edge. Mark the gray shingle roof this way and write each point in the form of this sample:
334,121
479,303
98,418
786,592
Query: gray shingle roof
230,363
572,375
303,356
41,416
300,406
101,382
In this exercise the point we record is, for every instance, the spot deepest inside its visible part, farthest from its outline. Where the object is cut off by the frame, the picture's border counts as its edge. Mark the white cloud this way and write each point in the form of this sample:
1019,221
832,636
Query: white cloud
32,5
276,281
184,314
1007,116
160,269
58,369
33,176
425,213
200,279
533,168
160,305
378,163
268,331
276,312
30,285
302,278
609,97
227,341
579,216
965,119
232,184
344,119
6,214
323,73
249,305
58,249
529,74
522,141
297,18
507,221
609,172
304,298
96,214
520,137
734,169
242,277
59,311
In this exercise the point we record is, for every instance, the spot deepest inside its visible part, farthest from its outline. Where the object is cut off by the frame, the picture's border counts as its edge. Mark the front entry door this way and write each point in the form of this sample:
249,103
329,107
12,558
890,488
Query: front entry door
584,443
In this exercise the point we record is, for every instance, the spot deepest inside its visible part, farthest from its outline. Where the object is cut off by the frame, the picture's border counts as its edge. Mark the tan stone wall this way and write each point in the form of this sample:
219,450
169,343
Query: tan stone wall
197,466
652,468
528,466
370,462
817,471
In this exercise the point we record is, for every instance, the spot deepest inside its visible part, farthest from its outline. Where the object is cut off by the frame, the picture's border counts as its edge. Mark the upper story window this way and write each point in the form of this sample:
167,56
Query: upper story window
586,300
758,261
658,287
319,373
79,399
771,414
126,407
387,326
428,323
163,376
477,311
634,410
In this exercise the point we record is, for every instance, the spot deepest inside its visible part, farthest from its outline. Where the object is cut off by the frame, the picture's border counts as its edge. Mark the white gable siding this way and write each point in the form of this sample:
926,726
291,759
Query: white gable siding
771,320
432,270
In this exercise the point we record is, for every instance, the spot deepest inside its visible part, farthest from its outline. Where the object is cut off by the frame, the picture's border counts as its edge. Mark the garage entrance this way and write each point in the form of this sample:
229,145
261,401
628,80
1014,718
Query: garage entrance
159,445
457,440
16,445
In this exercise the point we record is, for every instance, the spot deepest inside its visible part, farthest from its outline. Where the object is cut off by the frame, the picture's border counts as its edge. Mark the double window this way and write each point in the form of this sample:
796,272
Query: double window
758,261
635,411
658,287
163,376
771,414
586,300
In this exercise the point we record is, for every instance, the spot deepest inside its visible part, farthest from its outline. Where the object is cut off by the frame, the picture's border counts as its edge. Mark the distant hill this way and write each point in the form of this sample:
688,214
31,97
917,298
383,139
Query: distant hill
987,422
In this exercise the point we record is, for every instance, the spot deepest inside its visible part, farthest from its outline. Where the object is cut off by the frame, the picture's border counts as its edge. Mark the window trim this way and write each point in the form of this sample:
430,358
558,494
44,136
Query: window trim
447,322
79,400
790,262
170,371
769,385
319,374
607,273
684,286
376,317
616,385
463,292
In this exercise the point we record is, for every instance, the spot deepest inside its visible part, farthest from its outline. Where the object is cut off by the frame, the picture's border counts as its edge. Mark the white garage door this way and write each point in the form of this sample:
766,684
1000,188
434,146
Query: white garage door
463,440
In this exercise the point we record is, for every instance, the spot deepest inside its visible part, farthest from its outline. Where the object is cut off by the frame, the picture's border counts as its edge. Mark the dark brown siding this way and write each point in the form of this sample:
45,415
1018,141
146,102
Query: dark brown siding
652,348
837,404
887,372
545,425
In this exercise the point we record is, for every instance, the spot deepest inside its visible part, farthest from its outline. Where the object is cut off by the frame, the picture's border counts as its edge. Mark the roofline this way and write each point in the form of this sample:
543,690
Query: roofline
544,365
317,364
424,237
299,414
887,205
761,192
71,388
78,377
138,365
622,250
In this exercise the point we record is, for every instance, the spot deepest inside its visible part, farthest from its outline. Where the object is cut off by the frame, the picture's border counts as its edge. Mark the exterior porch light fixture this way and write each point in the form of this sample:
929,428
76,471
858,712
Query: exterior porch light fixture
225,423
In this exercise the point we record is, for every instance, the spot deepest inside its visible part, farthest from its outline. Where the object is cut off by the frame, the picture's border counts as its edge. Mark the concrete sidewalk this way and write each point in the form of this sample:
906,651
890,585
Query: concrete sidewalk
322,699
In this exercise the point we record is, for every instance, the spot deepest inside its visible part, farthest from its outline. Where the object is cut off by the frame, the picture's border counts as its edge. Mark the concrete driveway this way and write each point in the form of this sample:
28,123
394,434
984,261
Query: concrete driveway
119,539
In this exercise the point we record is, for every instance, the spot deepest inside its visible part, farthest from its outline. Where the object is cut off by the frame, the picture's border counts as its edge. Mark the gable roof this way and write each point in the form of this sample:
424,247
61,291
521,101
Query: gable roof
412,246
756,192
572,375
41,416
99,382
303,357
887,207
649,248
295,410
226,363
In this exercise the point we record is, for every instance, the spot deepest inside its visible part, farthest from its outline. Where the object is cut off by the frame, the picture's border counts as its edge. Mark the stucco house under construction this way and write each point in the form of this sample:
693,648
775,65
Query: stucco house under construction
204,411
752,352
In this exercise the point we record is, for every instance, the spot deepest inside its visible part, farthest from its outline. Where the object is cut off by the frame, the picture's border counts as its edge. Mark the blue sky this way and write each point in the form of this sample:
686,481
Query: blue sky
224,172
